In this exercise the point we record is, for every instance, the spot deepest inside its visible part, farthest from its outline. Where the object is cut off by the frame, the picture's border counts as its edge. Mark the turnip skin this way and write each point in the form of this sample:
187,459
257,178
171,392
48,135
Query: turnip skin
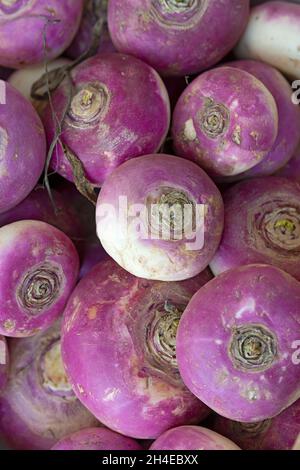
96,439
226,121
289,118
132,115
235,343
30,22
177,39
39,269
22,149
279,433
262,225
292,169
91,253
3,362
153,179
272,35
192,438
38,406
116,369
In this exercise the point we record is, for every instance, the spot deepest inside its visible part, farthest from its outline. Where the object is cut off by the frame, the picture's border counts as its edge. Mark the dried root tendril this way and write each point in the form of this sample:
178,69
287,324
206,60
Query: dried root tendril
251,429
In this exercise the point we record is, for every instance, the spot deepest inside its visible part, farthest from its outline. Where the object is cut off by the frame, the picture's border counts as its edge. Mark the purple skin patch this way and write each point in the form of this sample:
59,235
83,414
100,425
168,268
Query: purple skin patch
3,362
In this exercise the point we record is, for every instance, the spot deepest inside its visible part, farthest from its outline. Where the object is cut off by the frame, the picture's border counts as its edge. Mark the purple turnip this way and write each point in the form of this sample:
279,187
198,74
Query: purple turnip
160,217
3,362
96,439
292,169
22,147
262,225
226,121
119,350
177,37
91,253
236,343
192,438
38,406
279,433
39,268
32,31
119,110
272,35
289,118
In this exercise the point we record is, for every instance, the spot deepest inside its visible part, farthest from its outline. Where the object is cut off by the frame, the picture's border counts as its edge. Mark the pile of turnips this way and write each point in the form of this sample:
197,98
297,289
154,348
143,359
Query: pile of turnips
149,225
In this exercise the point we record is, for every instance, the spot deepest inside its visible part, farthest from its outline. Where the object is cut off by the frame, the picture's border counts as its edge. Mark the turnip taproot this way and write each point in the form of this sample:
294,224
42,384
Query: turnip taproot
160,217
38,406
119,110
236,343
177,37
32,31
292,169
22,147
262,225
272,35
96,439
39,268
192,438
3,362
288,135
119,350
279,433
226,121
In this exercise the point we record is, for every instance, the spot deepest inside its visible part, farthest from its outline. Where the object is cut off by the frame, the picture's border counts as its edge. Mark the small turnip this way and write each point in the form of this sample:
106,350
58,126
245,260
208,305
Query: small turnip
96,439
26,26
262,225
119,350
38,406
3,362
177,37
90,253
22,147
272,35
119,110
39,268
279,433
226,121
236,343
192,438
292,169
169,238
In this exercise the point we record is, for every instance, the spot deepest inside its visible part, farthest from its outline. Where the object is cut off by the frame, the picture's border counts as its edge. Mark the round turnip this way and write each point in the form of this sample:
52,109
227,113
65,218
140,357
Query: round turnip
279,433
38,406
177,37
289,118
119,350
39,268
272,35
22,147
32,31
96,439
160,217
262,225
192,438
226,121
3,362
236,343
292,169
119,110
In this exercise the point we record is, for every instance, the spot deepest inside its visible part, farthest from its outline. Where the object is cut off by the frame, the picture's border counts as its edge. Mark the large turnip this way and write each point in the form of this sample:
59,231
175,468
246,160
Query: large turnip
279,433
96,439
262,225
192,438
226,121
32,31
119,349
272,35
22,147
39,268
177,37
119,110
160,217
3,362
236,343
38,406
